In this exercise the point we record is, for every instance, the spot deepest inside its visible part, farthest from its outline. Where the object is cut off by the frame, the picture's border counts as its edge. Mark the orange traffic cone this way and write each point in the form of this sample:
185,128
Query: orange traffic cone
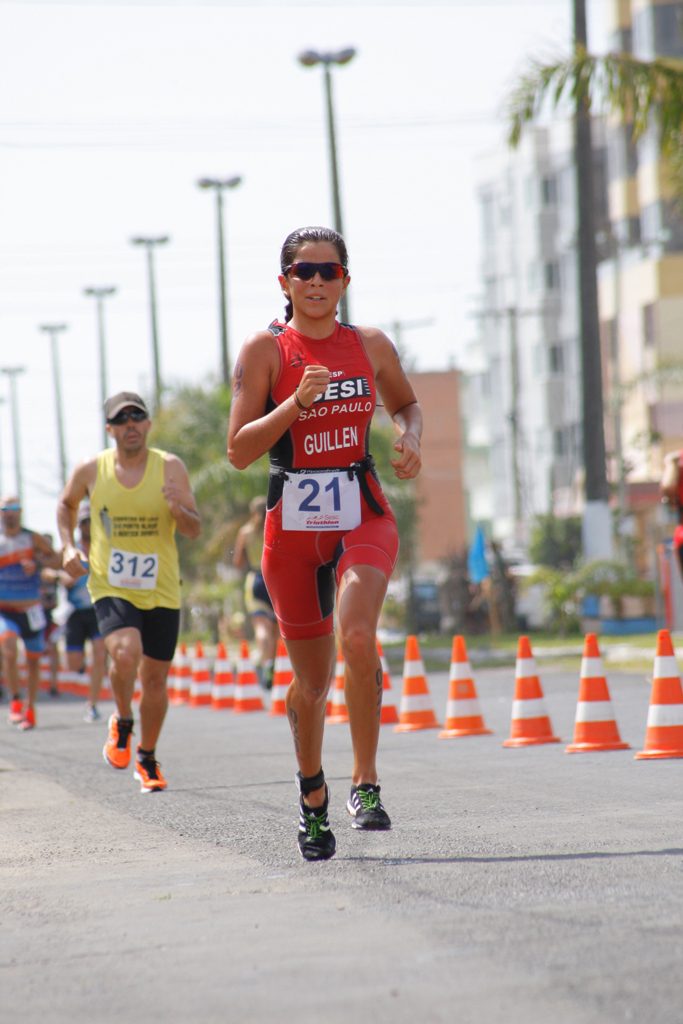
664,733
416,710
463,717
282,677
337,713
183,676
247,696
388,714
530,723
595,727
200,685
223,688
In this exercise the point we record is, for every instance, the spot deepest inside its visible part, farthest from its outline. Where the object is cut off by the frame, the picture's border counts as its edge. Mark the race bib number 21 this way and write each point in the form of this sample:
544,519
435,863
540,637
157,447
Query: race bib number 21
133,571
320,501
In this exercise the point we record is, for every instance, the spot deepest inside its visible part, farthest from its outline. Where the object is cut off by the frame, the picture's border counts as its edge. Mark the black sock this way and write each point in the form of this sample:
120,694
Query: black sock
145,755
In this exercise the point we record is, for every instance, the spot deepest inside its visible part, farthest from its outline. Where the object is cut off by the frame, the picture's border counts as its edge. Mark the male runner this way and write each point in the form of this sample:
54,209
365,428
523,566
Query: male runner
139,496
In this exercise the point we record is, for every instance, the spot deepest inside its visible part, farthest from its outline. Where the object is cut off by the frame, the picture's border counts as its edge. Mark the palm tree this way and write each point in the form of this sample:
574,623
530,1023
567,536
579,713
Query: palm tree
635,89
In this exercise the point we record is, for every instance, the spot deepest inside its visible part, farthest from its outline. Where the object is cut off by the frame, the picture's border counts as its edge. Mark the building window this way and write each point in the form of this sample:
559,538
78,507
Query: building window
551,274
556,359
549,190
649,325
559,443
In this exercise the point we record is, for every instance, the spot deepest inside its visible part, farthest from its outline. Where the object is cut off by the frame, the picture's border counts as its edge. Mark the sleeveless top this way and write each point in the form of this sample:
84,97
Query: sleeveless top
133,554
253,550
15,585
334,432
78,595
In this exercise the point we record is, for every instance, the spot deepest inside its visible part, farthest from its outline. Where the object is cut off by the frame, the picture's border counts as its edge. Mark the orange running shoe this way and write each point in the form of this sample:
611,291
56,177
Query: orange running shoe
116,750
148,773
28,721
16,711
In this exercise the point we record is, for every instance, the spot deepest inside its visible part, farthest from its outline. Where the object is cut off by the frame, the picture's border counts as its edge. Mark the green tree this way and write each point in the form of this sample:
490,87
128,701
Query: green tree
555,541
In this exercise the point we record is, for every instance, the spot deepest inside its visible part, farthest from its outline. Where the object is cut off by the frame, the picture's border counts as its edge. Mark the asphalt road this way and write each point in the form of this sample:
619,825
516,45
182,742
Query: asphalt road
516,885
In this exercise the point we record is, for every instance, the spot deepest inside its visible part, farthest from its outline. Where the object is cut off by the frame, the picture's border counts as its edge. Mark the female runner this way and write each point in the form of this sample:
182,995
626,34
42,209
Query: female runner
304,391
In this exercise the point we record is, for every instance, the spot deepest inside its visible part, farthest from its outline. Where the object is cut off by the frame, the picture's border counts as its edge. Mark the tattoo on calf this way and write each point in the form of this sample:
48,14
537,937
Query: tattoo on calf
294,726
379,682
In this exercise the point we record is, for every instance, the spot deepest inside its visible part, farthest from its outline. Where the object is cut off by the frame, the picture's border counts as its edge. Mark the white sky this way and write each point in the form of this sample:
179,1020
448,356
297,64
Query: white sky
110,111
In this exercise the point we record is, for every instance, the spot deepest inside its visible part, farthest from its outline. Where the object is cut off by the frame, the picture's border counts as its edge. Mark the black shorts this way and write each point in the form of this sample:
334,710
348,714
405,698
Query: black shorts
80,626
158,627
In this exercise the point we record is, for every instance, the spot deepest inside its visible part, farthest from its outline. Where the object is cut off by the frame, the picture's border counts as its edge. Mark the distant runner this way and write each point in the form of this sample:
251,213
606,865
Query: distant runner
22,555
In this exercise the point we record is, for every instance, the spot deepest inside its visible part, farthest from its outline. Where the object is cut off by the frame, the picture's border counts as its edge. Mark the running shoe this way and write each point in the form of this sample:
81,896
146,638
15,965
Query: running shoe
16,711
116,750
28,721
148,773
91,714
365,807
316,839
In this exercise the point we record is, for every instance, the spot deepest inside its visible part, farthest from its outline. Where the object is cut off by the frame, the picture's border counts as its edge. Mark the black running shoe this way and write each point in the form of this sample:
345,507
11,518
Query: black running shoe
365,807
316,840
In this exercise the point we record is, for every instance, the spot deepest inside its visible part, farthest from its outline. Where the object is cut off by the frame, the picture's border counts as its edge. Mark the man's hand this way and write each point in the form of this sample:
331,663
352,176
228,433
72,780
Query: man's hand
74,562
176,497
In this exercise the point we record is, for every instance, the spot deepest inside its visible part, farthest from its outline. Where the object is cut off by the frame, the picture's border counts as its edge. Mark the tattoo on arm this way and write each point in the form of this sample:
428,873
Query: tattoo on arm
237,379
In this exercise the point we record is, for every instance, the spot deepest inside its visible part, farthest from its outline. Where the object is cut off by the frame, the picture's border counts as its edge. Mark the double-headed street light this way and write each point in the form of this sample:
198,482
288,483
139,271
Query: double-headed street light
150,245
12,372
54,330
99,295
309,59
218,186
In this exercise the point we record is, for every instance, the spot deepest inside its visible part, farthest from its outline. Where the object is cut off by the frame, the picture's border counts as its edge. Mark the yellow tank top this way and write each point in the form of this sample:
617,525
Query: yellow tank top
133,553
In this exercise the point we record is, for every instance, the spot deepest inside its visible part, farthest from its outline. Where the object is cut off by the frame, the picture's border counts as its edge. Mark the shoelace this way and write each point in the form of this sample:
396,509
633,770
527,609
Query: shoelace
150,766
369,799
315,824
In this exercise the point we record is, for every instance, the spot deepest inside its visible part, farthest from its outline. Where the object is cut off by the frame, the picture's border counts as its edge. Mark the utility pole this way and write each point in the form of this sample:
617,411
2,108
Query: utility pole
396,329
54,330
218,186
309,59
100,294
513,417
512,315
150,244
12,372
597,529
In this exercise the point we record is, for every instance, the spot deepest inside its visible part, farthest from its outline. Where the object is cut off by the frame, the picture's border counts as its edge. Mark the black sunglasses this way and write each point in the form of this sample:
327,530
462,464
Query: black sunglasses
307,271
136,415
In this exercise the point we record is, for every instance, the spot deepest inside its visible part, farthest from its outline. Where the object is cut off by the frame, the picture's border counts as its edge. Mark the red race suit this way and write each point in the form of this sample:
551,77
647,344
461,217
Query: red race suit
326,510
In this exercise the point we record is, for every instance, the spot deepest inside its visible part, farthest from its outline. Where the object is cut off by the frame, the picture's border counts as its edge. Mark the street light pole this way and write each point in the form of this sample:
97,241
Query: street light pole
596,526
150,244
100,294
309,59
54,330
12,372
219,186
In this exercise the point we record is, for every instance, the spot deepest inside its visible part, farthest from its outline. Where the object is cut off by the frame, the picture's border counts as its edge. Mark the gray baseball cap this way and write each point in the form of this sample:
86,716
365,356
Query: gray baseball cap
114,405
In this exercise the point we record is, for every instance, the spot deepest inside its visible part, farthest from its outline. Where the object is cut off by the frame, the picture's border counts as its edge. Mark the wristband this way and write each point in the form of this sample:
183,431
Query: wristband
298,401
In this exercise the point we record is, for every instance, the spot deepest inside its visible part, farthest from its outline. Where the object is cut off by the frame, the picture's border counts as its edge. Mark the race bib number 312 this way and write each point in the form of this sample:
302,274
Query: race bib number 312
320,501
133,571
